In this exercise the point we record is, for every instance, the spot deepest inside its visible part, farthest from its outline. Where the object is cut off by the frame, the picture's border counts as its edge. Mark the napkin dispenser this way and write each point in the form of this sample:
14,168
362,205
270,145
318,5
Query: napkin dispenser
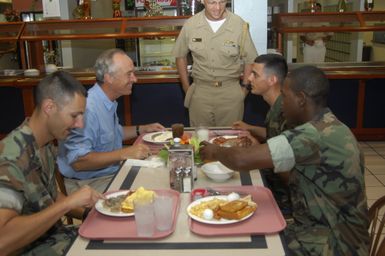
181,167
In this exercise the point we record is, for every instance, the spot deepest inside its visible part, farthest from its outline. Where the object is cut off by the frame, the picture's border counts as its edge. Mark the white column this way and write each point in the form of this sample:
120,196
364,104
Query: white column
255,13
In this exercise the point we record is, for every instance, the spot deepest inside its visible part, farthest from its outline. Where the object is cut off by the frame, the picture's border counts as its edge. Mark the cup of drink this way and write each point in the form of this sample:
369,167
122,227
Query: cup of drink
202,133
163,206
144,218
177,130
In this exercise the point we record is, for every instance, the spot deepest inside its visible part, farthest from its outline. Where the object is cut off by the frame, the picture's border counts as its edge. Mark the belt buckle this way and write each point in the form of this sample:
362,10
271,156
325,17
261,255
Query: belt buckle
217,83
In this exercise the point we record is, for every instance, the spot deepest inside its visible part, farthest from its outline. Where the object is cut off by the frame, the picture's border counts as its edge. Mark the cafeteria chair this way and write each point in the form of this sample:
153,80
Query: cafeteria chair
377,244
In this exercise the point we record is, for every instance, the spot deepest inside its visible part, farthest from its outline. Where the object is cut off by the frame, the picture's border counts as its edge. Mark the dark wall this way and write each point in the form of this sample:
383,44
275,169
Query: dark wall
12,109
164,103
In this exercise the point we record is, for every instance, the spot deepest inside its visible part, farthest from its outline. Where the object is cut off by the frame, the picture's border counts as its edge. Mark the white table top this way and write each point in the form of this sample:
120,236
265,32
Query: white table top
182,241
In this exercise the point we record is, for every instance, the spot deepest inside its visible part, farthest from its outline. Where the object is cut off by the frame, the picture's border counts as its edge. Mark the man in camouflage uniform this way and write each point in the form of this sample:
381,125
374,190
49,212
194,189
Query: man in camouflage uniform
30,205
325,165
266,78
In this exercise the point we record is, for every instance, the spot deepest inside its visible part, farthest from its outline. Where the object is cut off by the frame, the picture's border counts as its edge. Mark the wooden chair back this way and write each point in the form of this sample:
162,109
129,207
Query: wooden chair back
377,222
62,188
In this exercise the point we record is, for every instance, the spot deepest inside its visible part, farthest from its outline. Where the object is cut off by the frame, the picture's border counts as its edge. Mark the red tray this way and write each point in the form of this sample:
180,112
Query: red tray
101,227
266,219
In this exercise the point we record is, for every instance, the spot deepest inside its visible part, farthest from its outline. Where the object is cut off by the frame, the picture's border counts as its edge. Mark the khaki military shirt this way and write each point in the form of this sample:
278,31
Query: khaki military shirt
216,56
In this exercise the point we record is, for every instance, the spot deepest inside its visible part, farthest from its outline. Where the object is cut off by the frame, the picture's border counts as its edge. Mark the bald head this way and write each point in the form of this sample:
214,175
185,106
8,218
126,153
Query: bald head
105,64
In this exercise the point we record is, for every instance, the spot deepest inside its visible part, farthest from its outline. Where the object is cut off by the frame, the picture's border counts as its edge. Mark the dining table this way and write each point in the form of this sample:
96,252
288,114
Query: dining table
187,237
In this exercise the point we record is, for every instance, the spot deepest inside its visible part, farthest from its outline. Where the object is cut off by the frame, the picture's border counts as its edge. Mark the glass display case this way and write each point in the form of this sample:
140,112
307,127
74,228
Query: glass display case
118,28
153,53
284,23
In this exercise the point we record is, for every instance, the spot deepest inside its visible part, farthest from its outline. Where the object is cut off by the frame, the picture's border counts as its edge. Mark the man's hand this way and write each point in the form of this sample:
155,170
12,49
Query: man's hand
84,197
138,151
207,151
154,127
240,125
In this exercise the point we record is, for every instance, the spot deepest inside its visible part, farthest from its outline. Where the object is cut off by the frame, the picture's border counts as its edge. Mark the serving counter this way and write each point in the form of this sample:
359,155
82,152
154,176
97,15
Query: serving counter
356,97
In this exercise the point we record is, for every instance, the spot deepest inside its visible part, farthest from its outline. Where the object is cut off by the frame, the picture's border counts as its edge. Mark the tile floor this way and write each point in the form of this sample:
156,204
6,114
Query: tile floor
374,152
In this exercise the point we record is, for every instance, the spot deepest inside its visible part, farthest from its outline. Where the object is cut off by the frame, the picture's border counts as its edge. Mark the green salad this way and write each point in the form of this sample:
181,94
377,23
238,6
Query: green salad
163,153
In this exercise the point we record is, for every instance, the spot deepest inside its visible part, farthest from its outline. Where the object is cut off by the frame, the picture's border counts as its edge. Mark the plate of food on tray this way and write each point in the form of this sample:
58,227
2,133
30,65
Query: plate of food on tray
158,137
222,209
121,203
231,141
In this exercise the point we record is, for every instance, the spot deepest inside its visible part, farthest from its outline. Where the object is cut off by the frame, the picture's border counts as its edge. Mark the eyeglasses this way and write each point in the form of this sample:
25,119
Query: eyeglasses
212,3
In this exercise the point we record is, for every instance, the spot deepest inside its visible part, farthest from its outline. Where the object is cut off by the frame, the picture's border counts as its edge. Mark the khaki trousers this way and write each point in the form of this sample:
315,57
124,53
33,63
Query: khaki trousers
216,106
99,184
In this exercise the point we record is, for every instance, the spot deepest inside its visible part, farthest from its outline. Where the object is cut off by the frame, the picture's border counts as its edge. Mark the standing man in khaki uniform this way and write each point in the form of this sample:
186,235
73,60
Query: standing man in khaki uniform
222,48
314,50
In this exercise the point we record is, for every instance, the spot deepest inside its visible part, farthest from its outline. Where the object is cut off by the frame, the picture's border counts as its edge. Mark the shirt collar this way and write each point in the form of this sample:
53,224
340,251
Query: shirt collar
202,20
109,105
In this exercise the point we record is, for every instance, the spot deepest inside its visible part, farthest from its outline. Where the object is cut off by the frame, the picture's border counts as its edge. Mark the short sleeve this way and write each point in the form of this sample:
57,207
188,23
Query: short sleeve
82,141
10,187
250,52
281,153
11,199
181,45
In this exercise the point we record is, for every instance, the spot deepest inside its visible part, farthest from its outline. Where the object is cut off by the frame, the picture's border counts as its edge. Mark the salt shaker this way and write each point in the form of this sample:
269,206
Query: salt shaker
187,180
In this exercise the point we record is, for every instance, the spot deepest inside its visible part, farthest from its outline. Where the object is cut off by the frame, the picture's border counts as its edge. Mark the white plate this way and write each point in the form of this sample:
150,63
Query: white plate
158,137
213,221
99,206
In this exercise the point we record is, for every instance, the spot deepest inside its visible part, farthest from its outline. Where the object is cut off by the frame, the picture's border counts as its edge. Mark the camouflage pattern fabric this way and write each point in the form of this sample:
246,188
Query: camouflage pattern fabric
275,124
55,244
327,190
28,170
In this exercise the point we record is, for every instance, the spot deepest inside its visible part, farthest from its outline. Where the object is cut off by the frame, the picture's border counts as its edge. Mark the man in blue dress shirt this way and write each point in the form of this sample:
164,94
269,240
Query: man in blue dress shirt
92,155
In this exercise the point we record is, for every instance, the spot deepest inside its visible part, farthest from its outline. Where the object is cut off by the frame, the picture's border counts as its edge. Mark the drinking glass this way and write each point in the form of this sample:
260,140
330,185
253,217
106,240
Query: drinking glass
202,133
177,130
144,218
163,207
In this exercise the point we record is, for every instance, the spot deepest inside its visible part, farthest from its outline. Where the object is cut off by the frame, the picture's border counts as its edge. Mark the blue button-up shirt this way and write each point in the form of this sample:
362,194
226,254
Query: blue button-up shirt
101,133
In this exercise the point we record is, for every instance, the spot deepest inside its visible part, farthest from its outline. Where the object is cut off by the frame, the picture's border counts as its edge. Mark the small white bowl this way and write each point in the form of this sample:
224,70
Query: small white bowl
217,171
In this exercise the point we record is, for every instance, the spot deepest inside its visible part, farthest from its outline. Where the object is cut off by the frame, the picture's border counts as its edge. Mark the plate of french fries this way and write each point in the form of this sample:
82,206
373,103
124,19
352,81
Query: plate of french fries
220,210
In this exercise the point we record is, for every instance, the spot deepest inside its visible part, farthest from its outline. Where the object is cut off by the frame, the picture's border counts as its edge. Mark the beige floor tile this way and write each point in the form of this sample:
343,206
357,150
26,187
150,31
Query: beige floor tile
370,202
372,181
376,169
375,192
371,154
381,152
374,159
368,172
381,178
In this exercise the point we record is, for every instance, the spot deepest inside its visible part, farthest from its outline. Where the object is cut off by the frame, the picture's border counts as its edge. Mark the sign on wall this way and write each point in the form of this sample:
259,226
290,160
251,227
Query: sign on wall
140,3
51,8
